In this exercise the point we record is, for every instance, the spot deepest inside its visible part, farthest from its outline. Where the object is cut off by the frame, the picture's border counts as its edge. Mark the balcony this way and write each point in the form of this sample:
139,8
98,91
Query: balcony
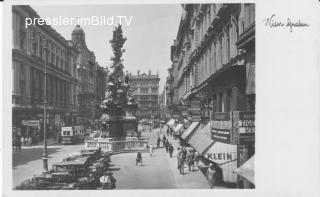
246,37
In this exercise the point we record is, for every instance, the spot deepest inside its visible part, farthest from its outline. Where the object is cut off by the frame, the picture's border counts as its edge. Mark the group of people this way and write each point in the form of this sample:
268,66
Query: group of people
108,181
189,157
169,132
19,141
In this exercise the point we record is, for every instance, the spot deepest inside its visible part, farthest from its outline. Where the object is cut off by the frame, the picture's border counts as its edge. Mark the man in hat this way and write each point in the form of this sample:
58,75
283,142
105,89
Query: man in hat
211,175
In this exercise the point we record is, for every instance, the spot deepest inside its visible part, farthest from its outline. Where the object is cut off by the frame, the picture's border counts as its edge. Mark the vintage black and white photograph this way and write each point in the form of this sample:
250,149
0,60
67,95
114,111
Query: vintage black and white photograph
143,96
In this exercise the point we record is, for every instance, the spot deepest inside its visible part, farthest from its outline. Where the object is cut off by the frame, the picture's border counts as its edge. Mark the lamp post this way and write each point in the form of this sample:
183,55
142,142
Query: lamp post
45,155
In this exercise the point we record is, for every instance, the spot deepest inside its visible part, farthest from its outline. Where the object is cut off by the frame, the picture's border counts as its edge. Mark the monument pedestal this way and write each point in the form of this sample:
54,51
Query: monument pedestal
120,128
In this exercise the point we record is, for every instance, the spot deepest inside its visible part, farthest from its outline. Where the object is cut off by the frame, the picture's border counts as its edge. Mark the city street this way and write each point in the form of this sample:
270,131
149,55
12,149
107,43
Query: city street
157,172
28,162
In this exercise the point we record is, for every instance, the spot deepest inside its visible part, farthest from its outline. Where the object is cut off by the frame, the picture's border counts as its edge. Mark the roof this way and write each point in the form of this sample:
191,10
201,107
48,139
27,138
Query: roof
201,139
190,130
77,30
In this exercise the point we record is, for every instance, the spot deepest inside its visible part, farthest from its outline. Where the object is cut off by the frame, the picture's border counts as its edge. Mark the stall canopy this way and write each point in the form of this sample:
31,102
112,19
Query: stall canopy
190,130
201,139
170,123
177,128
247,170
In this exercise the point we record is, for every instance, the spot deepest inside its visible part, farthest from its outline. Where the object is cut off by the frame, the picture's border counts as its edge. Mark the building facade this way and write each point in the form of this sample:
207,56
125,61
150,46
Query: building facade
145,88
87,69
213,68
28,62
214,57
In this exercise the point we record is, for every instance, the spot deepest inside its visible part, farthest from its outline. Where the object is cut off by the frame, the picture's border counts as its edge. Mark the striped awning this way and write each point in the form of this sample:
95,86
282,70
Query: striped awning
247,170
177,128
190,130
171,122
201,139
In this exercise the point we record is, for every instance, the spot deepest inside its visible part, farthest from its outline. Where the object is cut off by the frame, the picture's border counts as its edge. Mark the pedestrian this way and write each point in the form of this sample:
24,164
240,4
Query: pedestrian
112,180
182,161
168,130
22,141
170,150
19,143
167,145
150,150
158,142
29,141
164,140
211,175
139,158
197,158
190,160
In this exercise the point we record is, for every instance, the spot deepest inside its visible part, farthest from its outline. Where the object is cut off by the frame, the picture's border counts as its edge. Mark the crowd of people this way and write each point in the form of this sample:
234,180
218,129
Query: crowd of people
187,157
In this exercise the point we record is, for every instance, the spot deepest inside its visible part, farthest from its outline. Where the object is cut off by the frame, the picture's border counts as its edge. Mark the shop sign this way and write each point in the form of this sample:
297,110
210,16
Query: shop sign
221,127
31,123
226,156
246,125
41,115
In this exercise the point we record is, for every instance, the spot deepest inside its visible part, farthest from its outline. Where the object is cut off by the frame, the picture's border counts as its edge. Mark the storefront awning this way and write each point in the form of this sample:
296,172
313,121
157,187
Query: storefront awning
201,139
170,123
177,128
247,170
190,130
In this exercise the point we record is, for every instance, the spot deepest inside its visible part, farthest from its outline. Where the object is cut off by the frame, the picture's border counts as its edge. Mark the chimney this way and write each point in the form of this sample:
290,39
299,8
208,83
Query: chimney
138,72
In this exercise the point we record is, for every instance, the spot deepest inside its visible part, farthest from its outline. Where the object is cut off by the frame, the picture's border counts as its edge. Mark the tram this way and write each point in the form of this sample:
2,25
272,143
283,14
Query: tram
72,135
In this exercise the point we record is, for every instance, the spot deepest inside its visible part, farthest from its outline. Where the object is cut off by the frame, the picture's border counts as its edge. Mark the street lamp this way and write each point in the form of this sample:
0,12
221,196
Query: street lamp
45,155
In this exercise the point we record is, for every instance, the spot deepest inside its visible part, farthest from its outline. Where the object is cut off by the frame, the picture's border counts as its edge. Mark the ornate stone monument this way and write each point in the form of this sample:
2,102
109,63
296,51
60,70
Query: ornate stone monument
119,107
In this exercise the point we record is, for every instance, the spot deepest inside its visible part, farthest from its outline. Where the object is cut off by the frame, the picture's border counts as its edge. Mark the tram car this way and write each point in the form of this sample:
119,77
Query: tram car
72,135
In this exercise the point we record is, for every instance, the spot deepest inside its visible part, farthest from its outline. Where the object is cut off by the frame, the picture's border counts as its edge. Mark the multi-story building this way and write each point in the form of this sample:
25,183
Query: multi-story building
213,59
31,46
214,45
145,88
87,73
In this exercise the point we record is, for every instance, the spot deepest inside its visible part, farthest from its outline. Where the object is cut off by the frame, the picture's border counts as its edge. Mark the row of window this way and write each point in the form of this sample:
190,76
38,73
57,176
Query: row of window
31,39
221,48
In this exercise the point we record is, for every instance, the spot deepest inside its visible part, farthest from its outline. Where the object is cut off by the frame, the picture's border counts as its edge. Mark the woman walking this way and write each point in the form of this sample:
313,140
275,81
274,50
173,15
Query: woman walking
150,150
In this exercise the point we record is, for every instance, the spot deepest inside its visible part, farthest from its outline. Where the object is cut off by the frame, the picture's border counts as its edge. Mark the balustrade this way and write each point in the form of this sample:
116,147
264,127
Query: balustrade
118,146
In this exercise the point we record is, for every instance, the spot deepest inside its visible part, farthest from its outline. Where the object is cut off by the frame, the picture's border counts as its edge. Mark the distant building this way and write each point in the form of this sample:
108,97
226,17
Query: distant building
146,91
28,60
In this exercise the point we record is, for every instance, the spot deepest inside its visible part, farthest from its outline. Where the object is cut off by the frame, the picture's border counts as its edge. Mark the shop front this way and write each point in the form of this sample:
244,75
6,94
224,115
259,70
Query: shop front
235,130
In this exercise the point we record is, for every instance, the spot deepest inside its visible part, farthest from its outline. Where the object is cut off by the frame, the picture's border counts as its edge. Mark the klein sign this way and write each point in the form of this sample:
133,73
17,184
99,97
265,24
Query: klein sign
226,156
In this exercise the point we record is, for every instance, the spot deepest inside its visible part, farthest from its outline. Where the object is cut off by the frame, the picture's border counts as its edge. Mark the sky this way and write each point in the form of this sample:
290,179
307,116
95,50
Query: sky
149,35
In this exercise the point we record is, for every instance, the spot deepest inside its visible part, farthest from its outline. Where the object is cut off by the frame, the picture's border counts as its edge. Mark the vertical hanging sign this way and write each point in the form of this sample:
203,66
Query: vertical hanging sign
221,127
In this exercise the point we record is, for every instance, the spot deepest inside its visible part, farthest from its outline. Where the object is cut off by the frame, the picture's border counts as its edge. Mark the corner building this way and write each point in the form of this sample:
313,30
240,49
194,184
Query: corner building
28,61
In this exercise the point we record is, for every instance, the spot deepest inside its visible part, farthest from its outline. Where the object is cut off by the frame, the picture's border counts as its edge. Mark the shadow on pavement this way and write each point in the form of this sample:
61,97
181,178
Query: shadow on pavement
113,169
27,155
